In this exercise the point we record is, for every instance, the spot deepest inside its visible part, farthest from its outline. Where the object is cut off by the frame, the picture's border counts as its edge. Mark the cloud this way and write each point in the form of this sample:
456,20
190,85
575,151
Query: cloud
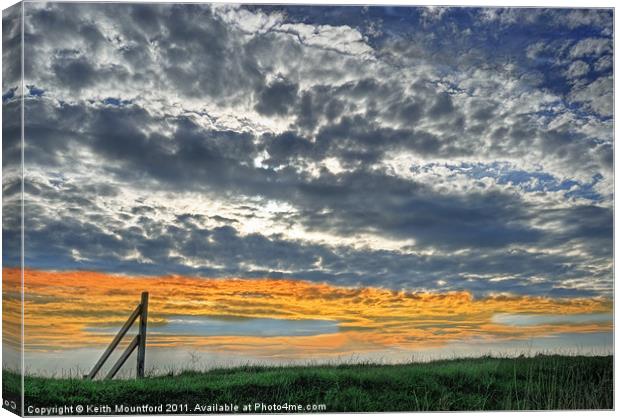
369,315
577,69
597,96
604,63
11,140
272,142
11,53
591,47
277,98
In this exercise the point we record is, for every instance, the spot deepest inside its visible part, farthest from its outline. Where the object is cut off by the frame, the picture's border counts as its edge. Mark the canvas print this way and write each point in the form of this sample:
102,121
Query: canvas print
228,208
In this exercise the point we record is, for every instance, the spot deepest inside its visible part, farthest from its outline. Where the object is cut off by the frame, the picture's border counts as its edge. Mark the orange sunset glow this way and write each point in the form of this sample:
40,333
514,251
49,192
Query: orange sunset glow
62,308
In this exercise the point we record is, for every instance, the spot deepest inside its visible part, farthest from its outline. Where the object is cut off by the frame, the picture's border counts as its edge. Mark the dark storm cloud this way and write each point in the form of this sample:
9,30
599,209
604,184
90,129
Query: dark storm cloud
191,155
373,202
586,227
355,140
74,72
11,51
287,147
199,54
218,61
11,135
277,98
340,130
442,106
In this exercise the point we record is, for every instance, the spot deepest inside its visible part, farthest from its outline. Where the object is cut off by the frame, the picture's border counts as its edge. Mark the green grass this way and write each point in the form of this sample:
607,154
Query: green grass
541,382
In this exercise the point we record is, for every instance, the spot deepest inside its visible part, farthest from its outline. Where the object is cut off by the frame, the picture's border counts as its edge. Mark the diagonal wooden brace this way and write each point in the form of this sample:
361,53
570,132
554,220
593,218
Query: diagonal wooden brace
139,342
123,358
115,342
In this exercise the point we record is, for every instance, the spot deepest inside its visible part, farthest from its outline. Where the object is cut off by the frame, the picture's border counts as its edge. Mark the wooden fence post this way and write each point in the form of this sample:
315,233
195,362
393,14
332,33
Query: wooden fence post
142,334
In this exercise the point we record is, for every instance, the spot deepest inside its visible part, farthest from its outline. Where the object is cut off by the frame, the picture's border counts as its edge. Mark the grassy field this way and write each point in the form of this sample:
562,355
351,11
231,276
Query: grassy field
542,382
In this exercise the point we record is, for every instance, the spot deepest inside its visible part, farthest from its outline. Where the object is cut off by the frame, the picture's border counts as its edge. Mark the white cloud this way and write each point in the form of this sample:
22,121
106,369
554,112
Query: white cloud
604,63
597,95
577,69
591,47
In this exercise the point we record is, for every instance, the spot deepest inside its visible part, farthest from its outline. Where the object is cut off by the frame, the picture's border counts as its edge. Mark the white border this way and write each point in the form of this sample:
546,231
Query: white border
489,3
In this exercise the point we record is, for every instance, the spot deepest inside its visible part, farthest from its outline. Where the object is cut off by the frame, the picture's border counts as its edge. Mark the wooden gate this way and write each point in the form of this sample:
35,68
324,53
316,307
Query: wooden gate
139,341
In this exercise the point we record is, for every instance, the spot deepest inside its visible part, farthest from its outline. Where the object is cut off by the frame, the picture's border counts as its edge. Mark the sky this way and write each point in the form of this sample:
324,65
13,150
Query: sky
202,323
399,149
